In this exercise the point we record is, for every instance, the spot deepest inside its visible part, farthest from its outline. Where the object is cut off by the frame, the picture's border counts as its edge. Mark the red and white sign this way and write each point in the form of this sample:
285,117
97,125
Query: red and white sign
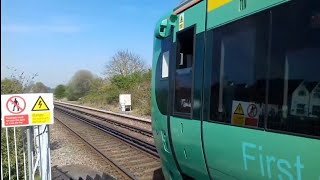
252,119
26,109
16,120
251,112
16,105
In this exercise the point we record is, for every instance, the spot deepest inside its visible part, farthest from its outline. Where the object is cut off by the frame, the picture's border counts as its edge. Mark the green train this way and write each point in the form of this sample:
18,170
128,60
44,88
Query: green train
236,90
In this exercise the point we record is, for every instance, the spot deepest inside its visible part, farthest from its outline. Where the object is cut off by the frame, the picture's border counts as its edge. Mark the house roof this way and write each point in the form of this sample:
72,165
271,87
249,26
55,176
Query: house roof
276,88
311,85
292,85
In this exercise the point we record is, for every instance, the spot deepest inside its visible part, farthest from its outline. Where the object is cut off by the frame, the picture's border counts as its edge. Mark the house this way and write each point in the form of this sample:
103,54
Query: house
314,102
306,100
300,100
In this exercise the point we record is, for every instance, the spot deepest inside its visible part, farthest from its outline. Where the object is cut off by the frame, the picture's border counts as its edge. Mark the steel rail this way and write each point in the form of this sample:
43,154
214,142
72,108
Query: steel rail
117,123
145,146
143,120
122,169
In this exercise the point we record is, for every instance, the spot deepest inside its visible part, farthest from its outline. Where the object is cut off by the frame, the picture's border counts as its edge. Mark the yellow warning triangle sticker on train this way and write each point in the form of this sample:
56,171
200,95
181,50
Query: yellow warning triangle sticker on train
181,19
40,105
239,110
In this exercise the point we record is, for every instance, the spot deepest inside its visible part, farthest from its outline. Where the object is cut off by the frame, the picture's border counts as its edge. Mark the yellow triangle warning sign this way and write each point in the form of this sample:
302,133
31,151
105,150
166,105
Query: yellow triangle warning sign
181,19
40,105
239,110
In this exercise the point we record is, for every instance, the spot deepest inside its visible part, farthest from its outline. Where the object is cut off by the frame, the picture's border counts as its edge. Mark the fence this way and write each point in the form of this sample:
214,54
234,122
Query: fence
25,153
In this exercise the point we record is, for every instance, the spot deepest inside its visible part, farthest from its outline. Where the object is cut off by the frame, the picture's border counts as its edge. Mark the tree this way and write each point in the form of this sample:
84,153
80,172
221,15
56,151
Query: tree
39,87
126,82
26,81
11,86
29,86
79,84
60,91
124,63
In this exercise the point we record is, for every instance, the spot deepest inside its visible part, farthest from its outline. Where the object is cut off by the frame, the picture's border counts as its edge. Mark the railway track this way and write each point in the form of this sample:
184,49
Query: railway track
131,134
115,117
135,158
132,123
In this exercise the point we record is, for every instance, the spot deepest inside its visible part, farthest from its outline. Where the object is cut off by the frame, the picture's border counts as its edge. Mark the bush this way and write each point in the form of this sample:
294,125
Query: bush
4,152
60,91
12,86
107,93
79,85
125,73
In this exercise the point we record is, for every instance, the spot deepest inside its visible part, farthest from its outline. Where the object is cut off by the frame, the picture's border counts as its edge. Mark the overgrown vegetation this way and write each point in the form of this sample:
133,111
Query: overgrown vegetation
15,84
126,72
79,85
4,153
11,86
60,91
39,87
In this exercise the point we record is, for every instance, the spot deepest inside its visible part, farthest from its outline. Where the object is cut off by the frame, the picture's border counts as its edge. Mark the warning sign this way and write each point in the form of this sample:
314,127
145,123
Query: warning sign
252,110
26,109
252,118
16,120
238,116
40,105
249,117
181,21
41,118
16,104
239,110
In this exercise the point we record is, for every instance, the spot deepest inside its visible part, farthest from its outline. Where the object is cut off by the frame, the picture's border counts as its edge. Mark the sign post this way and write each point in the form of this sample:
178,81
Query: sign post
32,110
30,152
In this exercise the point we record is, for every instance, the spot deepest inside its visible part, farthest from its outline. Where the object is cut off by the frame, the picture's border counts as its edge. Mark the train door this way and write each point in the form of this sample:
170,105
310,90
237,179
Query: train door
163,55
235,85
186,92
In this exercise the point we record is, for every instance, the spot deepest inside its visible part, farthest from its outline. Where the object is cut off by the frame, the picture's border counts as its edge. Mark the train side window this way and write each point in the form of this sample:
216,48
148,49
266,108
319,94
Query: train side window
294,79
165,65
238,80
183,72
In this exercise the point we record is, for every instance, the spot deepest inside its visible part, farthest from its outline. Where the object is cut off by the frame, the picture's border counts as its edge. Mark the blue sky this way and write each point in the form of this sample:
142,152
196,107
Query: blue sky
55,38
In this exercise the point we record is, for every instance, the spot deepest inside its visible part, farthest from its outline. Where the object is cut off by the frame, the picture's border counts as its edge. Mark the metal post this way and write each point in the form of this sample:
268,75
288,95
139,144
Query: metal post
1,168
29,146
44,147
16,152
8,151
39,135
48,156
24,155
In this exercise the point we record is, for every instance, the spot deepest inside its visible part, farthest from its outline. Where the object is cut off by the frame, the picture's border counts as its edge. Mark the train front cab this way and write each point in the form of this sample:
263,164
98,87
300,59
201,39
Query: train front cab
175,44
236,90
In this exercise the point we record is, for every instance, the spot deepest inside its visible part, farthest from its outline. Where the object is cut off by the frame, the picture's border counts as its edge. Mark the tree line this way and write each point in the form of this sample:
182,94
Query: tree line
126,72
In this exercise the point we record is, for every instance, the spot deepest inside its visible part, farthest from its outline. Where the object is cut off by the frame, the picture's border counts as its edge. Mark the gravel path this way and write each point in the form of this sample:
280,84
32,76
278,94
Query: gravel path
137,163
71,155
